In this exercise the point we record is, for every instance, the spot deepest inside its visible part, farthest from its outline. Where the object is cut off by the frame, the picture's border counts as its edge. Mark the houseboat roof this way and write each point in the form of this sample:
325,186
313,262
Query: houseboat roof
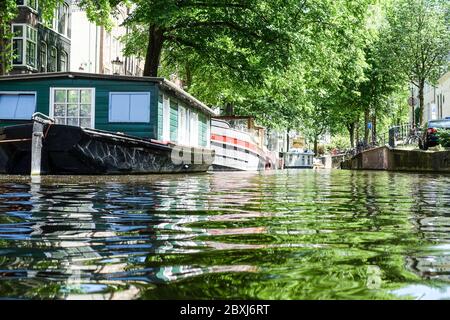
165,84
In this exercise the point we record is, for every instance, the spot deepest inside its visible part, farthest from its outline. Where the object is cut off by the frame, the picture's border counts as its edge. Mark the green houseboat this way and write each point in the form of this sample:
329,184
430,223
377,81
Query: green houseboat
79,123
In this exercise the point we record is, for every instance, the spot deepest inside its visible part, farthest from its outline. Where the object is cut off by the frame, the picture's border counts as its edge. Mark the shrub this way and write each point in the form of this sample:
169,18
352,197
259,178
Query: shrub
444,137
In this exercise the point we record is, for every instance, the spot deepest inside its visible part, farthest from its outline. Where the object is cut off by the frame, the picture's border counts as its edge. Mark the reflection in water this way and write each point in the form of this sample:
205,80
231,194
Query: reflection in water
286,235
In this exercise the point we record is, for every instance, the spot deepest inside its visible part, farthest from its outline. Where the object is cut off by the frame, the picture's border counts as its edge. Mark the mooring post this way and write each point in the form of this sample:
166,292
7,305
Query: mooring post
36,148
39,122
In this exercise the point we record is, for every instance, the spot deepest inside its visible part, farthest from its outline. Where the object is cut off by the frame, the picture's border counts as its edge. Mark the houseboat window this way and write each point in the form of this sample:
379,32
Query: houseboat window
53,60
43,57
129,107
17,106
73,106
63,58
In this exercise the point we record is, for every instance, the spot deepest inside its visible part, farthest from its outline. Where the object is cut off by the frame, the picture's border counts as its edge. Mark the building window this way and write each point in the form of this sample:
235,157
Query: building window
60,21
129,107
53,59
43,60
63,22
73,106
63,61
33,4
18,44
17,106
31,47
24,45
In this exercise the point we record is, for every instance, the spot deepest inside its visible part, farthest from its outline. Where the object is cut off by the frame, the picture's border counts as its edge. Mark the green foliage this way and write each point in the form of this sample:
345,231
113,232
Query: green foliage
420,40
8,10
242,38
338,141
444,137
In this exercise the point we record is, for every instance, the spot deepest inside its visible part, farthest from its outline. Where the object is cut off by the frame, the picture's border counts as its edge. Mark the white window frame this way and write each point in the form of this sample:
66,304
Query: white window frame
25,4
131,93
35,42
54,25
52,98
166,118
24,43
18,93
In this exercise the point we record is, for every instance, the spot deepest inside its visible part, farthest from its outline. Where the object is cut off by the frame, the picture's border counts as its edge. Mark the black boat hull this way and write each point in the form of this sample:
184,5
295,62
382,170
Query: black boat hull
74,150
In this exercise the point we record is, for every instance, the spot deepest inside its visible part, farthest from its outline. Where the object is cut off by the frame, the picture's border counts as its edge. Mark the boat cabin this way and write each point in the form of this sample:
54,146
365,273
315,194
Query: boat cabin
298,158
246,124
145,107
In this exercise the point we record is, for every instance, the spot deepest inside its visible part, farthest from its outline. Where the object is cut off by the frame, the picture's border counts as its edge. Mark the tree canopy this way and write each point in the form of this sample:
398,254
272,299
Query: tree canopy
320,66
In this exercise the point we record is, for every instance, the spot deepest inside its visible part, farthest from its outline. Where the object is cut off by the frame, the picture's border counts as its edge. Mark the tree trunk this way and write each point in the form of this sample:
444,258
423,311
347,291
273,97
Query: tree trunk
366,126
316,146
351,131
229,109
421,101
374,129
357,131
188,75
154,49
287,140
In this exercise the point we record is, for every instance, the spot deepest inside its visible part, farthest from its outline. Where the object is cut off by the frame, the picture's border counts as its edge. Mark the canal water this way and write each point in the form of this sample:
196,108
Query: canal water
298,234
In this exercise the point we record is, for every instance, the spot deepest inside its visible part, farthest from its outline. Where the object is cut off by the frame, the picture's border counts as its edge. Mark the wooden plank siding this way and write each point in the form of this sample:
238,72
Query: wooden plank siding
160,116
202,130
102,90
173,121
42,96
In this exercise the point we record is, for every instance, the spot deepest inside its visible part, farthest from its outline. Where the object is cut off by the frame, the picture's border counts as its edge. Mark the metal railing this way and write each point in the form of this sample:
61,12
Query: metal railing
404,134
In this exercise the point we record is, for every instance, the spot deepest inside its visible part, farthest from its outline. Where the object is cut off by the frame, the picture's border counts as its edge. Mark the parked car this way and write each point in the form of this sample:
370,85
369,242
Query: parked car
430,137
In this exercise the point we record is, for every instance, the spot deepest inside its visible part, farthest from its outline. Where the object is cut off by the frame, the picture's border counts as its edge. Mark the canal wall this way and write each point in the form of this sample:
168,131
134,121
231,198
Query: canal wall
385,158
332,162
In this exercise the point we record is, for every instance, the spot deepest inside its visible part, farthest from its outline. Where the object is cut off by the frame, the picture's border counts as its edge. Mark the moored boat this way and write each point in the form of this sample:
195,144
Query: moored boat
238,145
75,150
298,159
101,124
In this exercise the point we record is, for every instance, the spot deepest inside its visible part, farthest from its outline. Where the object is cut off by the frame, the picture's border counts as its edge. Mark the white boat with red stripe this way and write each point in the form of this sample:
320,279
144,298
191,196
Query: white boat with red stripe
239,145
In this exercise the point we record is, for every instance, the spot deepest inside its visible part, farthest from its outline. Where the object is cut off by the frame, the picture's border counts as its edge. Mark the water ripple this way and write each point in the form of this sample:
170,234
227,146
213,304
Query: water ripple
275,235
